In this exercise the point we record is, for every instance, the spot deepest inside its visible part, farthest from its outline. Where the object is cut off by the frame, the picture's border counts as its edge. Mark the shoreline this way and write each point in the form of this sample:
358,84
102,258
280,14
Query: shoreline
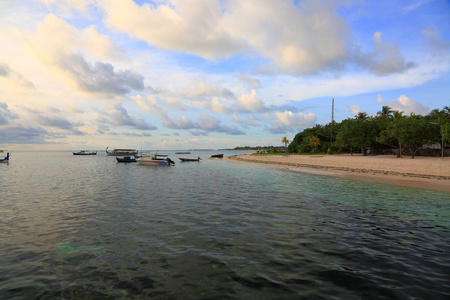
421,172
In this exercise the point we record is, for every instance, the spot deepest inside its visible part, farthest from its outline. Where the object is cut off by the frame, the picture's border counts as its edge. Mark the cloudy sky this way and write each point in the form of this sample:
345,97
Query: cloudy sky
184,74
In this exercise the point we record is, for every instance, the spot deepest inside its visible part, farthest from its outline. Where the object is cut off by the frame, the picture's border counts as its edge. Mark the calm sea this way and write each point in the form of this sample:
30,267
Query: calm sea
86,227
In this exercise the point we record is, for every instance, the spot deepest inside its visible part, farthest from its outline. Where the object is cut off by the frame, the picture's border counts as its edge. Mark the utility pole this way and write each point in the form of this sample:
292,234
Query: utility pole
332,121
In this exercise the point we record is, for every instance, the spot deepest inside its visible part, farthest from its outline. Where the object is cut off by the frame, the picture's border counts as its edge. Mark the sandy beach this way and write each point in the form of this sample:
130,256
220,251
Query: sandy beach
422,172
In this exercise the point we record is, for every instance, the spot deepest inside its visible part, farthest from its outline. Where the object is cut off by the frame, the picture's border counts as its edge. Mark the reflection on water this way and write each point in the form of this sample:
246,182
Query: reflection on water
90,228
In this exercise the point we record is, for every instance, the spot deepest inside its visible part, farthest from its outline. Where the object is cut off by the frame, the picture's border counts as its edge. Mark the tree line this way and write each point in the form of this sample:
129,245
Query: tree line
388,129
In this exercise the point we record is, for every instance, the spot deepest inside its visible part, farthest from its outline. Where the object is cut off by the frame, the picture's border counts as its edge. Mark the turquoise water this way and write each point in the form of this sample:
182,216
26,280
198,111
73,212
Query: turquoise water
86,227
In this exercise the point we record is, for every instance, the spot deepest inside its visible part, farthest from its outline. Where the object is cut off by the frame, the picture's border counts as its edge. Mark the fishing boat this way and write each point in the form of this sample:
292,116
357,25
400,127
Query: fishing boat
4,159
190,159
121,152
126,159
217,156
85,152
155,160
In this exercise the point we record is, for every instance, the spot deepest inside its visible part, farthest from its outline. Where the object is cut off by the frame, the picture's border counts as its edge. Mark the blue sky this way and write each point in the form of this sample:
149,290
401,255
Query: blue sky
183,74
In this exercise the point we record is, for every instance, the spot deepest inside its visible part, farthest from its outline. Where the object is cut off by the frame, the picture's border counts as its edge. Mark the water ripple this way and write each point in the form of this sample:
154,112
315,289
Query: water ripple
102,230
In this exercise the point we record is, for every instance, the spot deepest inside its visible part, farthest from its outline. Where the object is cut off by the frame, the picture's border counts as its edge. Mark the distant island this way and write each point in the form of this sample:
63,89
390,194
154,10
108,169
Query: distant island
268,149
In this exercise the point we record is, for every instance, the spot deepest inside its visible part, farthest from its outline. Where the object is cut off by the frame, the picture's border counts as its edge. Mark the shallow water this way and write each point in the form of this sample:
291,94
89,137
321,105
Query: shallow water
86,227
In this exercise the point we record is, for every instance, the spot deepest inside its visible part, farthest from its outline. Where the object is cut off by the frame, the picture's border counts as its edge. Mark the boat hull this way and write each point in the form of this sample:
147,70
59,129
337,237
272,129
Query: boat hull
79,153
152,162
125,159
5,159
189,159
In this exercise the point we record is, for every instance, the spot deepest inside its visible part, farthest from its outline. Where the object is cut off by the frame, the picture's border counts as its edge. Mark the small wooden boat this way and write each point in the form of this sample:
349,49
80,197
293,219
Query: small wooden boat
190,159
5,159
126,159
155,160
85,152
121,152
217,156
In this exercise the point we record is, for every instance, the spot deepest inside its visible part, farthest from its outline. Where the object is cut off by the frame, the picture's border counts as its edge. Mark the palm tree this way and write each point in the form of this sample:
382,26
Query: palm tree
398,116
285,141
385,112
313,141
362,116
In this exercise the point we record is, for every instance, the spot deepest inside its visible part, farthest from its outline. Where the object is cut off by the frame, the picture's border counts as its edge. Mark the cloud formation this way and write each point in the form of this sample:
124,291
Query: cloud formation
119,69
23,135
100,77
385,59
5,114
189,26
408,106
119,117
289,121
219,29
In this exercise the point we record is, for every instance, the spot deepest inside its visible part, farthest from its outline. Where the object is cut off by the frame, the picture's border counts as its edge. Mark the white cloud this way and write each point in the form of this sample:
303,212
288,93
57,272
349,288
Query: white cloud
250,103
385,59
205,90
212,124
379,99
437,47
63,54
250,81
119,117
183,25
408,106
67,6
355,109
297,39
289,121
55,37
100,77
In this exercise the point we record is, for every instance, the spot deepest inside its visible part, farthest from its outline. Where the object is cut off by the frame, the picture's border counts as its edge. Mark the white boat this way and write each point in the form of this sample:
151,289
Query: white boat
155,160
121,152
85,152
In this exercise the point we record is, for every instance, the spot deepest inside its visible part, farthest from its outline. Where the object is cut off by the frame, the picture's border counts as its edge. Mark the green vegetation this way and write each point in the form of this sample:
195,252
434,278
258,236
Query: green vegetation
313,141
388,129
285,141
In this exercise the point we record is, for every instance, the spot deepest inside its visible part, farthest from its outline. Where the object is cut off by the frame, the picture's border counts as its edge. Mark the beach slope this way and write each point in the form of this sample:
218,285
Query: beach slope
422,172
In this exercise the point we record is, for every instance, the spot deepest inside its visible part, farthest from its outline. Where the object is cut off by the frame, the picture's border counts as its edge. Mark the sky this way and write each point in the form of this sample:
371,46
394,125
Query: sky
211,74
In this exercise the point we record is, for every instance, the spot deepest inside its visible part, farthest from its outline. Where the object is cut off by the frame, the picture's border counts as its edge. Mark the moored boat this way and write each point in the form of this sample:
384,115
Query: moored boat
5,159
85,152
189,159
186,152
155,160
121,152
126,159
217,156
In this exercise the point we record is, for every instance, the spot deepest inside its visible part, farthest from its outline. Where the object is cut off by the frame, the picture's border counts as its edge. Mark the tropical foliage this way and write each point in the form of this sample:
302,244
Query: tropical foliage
313,141
387,129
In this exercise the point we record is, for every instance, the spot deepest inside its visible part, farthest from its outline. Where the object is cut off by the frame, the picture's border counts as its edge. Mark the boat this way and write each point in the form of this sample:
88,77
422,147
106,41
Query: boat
217,156
155,159
121,152
190,159
187,152
4,159
85,152
126,159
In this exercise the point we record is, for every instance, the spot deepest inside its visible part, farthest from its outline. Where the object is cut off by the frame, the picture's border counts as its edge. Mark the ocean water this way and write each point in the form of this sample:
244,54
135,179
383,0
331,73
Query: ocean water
86,227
